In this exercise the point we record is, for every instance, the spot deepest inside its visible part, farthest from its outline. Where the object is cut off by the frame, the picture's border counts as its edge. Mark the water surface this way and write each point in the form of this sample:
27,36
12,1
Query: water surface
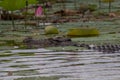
82,65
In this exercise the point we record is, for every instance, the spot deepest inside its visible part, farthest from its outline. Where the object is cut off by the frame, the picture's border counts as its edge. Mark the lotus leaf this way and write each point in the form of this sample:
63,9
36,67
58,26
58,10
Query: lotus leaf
83,32
12,5
51,30
108,0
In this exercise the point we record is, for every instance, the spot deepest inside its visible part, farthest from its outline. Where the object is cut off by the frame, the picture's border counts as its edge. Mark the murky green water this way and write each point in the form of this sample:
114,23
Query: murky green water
83,65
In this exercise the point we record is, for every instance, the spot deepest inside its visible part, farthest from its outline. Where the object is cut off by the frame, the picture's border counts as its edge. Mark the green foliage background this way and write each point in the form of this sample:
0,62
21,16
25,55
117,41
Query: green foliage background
12,5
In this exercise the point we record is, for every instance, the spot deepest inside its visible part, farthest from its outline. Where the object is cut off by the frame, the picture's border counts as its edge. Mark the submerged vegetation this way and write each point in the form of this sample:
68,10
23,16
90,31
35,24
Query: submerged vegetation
39,78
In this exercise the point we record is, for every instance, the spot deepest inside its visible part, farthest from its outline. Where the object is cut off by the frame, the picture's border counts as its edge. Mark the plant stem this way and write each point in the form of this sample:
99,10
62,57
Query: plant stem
109,6
99,4
13,23
63,5
26,9
75,4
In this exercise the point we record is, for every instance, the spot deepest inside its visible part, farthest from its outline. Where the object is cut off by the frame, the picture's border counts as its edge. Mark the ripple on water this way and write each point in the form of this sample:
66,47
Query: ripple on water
74,65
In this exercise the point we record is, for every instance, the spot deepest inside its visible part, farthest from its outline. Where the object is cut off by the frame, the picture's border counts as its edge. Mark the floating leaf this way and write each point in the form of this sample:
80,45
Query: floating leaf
51,30
83,32
108,0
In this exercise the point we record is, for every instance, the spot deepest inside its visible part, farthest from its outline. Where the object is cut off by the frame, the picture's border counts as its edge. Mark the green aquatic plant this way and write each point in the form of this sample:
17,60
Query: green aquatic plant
7,51
12,5
75,4
99,1
10,42
51,30
5,61
92,7
6,54
39,78
19,66
26,73
26,54
83,32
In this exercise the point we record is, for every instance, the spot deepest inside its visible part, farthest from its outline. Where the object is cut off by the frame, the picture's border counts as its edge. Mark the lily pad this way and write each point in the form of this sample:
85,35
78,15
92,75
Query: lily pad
51,30
83,32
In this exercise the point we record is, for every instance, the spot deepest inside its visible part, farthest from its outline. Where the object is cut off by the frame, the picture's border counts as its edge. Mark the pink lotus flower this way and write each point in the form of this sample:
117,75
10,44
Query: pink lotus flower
39,11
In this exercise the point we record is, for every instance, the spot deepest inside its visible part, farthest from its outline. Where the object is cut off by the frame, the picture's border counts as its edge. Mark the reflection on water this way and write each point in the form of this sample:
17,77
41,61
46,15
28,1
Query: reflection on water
86,65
